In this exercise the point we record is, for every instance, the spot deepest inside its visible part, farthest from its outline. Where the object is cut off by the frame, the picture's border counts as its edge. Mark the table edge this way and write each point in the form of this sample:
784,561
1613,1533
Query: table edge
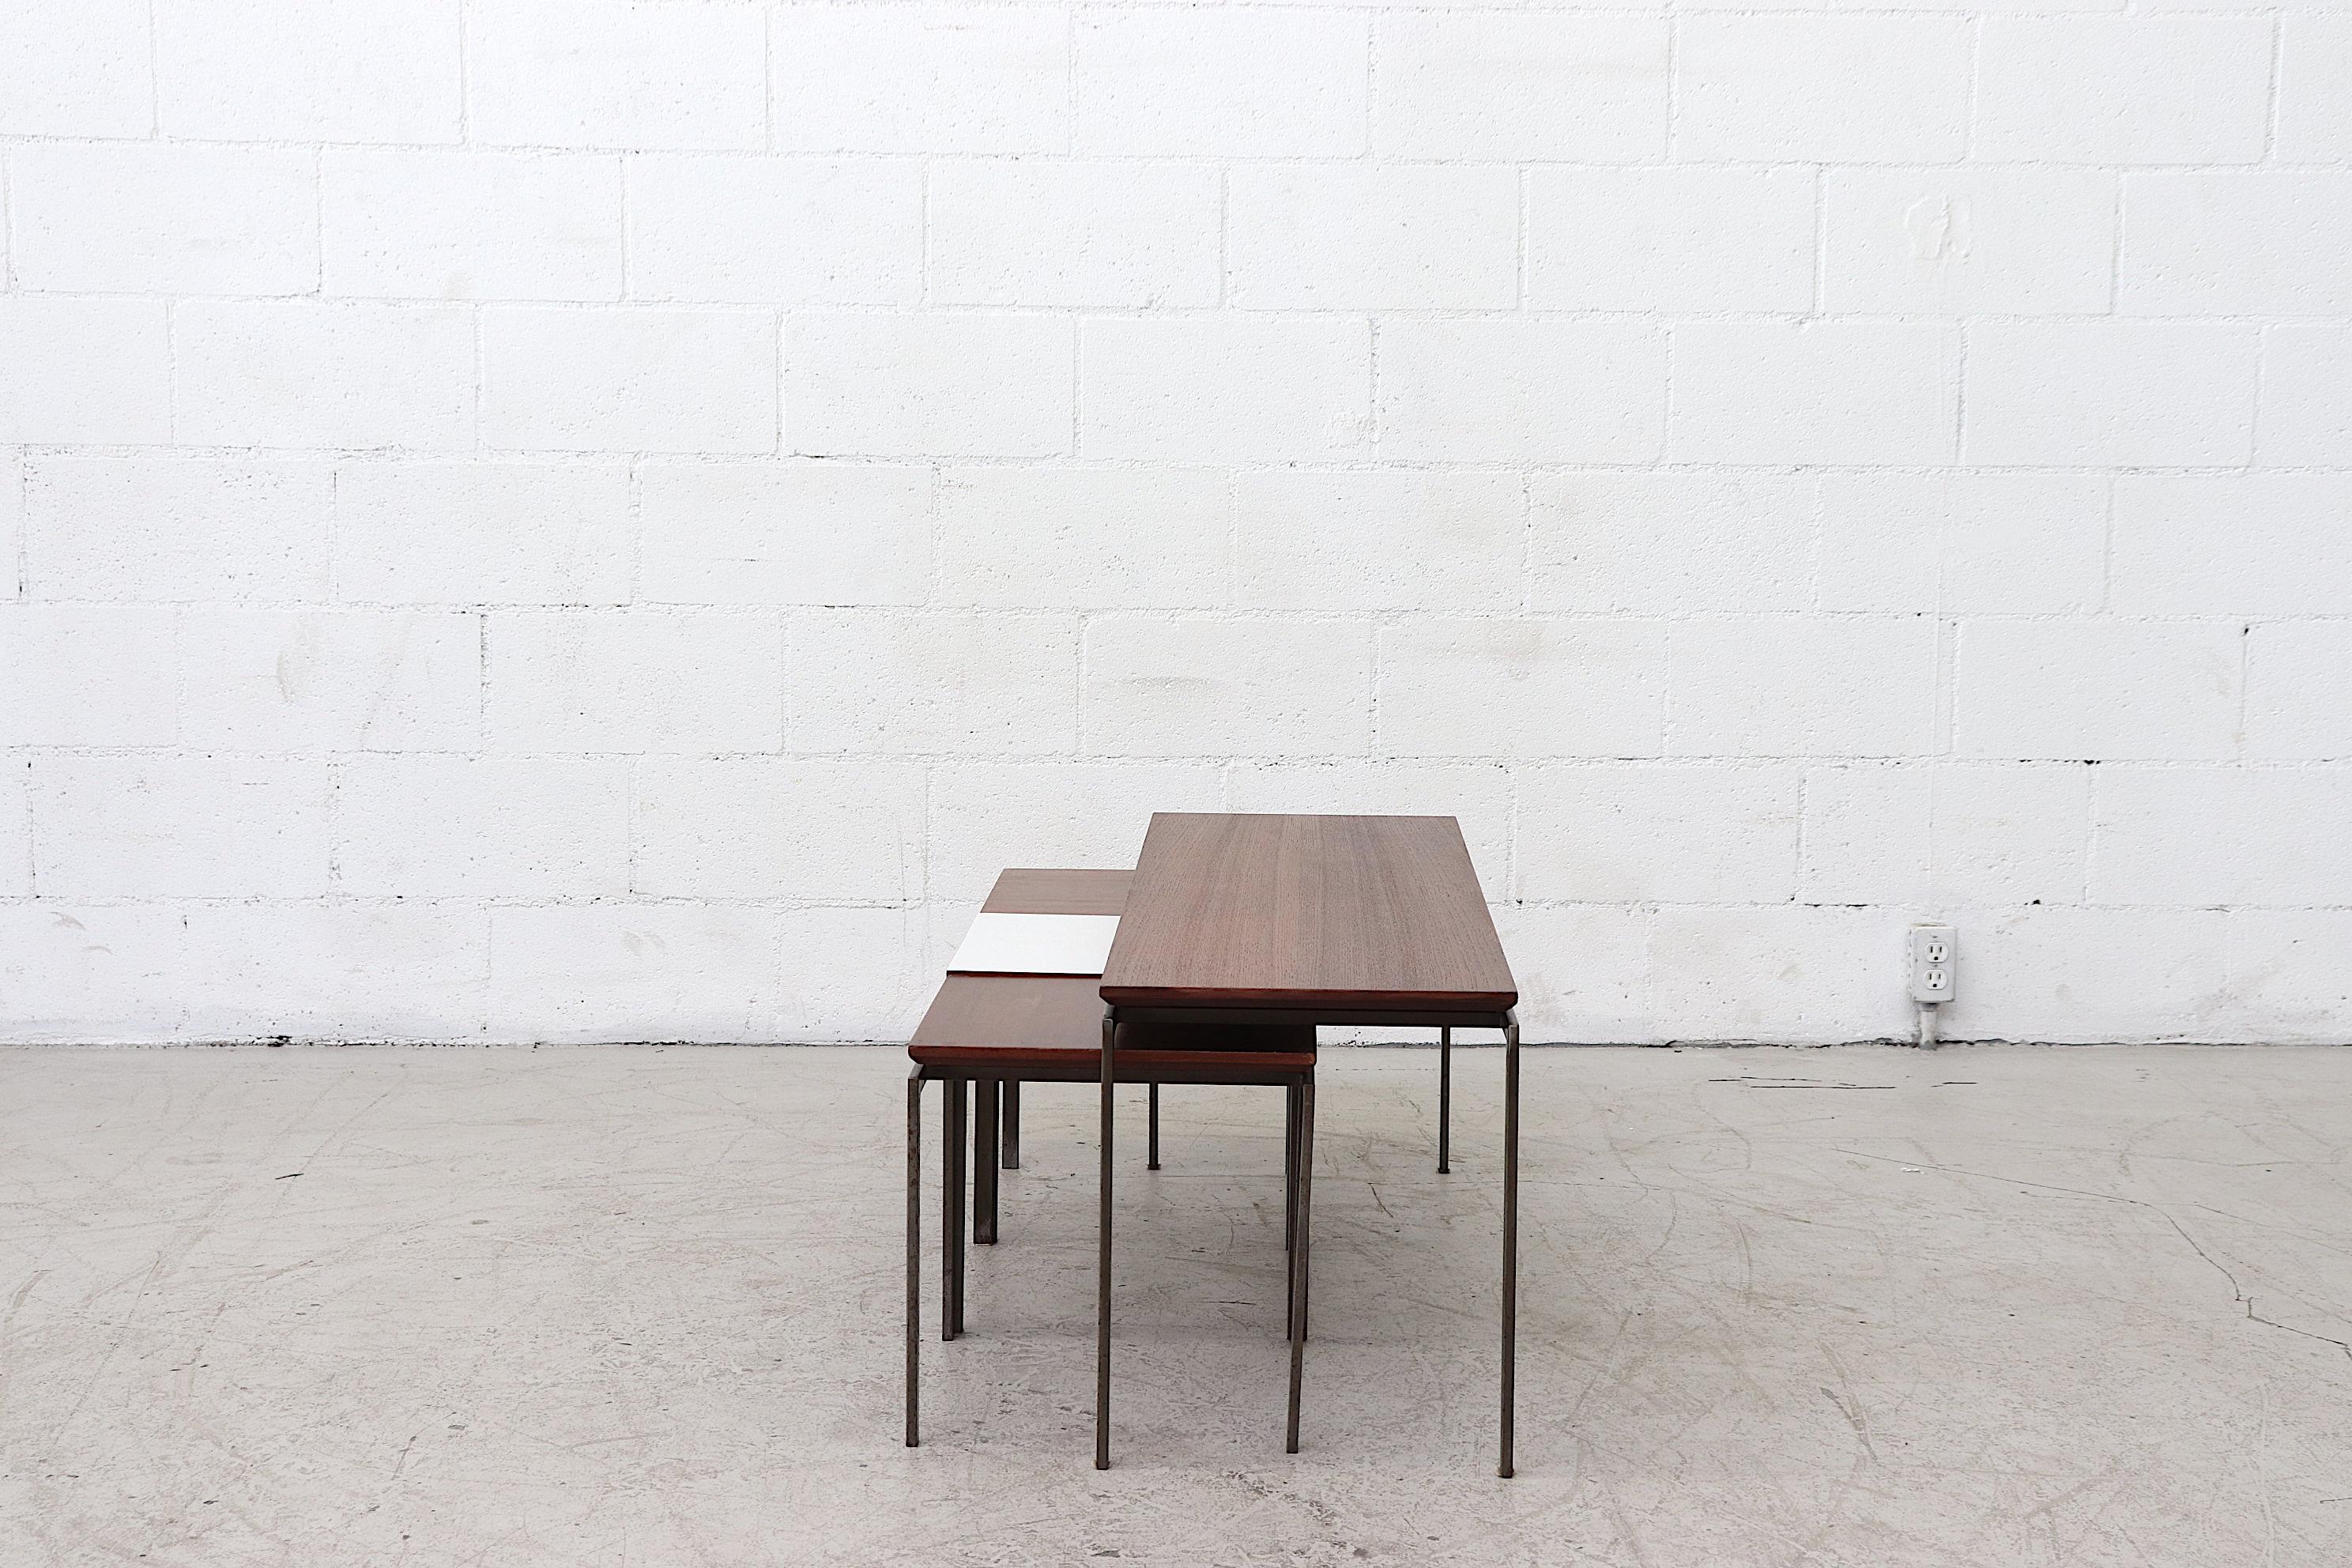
1138,995
1391,1001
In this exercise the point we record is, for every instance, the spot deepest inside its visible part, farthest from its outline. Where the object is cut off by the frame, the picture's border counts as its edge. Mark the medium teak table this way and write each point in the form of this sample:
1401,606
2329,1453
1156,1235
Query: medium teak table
1312,919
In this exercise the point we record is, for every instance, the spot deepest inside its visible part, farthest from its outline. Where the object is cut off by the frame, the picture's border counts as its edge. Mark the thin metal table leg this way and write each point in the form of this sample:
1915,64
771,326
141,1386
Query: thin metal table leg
1510,1235
983,1163
1152,1142
1290,1167
1102,1255
1299,1258
914,1254
1306,1159
951,1184
1013,1124
1290,1095
1444,1102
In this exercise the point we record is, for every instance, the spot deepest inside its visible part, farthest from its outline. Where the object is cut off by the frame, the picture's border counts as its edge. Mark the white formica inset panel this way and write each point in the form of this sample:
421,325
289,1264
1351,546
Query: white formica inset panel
1035,945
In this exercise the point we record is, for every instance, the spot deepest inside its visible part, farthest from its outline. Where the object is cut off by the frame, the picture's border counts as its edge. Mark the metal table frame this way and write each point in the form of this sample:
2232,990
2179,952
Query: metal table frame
1444,1020
968,1155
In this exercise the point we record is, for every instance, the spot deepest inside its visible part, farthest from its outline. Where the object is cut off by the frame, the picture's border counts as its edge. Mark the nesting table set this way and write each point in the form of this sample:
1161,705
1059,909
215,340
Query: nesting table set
1232,939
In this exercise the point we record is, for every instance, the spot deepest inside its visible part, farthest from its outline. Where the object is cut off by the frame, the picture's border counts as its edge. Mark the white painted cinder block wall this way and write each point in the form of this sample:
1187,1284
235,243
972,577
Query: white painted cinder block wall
535,520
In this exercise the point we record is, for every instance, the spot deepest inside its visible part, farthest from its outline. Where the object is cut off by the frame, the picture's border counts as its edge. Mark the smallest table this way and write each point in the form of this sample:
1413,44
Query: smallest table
1309,920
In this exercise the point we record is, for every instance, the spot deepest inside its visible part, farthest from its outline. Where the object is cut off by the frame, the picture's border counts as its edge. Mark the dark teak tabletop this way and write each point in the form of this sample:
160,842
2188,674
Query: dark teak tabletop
1024,891
1303,911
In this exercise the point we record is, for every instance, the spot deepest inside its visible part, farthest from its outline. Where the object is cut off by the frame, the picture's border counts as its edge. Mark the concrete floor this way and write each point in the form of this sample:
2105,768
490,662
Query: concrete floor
1866,1307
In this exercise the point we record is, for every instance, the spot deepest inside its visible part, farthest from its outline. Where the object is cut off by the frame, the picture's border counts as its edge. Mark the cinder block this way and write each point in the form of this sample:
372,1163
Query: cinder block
336,971
775,231
2213,836
501,827
1188,83
1968,241
640,681
145,217
975,685
1868,835
1940,837
2315,90
943,385
284,680
1113,235
1053,538
1582,971
1557,88
295,70
985,816
2287,978
2085,976
1987,7
1372,237
2123,90
629,379
1796,974
1669,541
180,827
76,68
927,80
2084,394
1522,689
2236,544
608,73
1867,393
1825,89
1953,542
1477,795
857,974
1224,388
785,533
482,533
2297,675
171,528
471,225
2304,415
1670,239
1647,833
2009,834
289,373
12,525
2095,689
1859,686
1310,539
16,828
75,974
2237,242
1156,687
1521,389
583,973
778,828
75,371
87,675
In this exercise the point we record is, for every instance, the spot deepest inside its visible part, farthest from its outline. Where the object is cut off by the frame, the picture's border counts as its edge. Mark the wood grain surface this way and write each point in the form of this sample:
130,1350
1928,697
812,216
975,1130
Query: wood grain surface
1302,912
1024,891
1030,1012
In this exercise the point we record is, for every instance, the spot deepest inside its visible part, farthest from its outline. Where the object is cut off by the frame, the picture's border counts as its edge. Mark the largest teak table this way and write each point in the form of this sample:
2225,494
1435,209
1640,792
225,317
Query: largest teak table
1309,920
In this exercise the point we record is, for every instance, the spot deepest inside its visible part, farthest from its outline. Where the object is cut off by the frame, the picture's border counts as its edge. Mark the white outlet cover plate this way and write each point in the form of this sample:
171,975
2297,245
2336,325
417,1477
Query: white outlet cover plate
1035,945
1928,970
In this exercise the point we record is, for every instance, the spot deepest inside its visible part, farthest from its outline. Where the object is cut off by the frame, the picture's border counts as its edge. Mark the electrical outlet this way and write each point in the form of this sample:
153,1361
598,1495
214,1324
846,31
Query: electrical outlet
1935,960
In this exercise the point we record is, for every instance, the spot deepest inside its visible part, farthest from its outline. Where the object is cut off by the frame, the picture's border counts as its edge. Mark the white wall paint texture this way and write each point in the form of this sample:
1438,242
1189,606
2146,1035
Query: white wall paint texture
576,518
